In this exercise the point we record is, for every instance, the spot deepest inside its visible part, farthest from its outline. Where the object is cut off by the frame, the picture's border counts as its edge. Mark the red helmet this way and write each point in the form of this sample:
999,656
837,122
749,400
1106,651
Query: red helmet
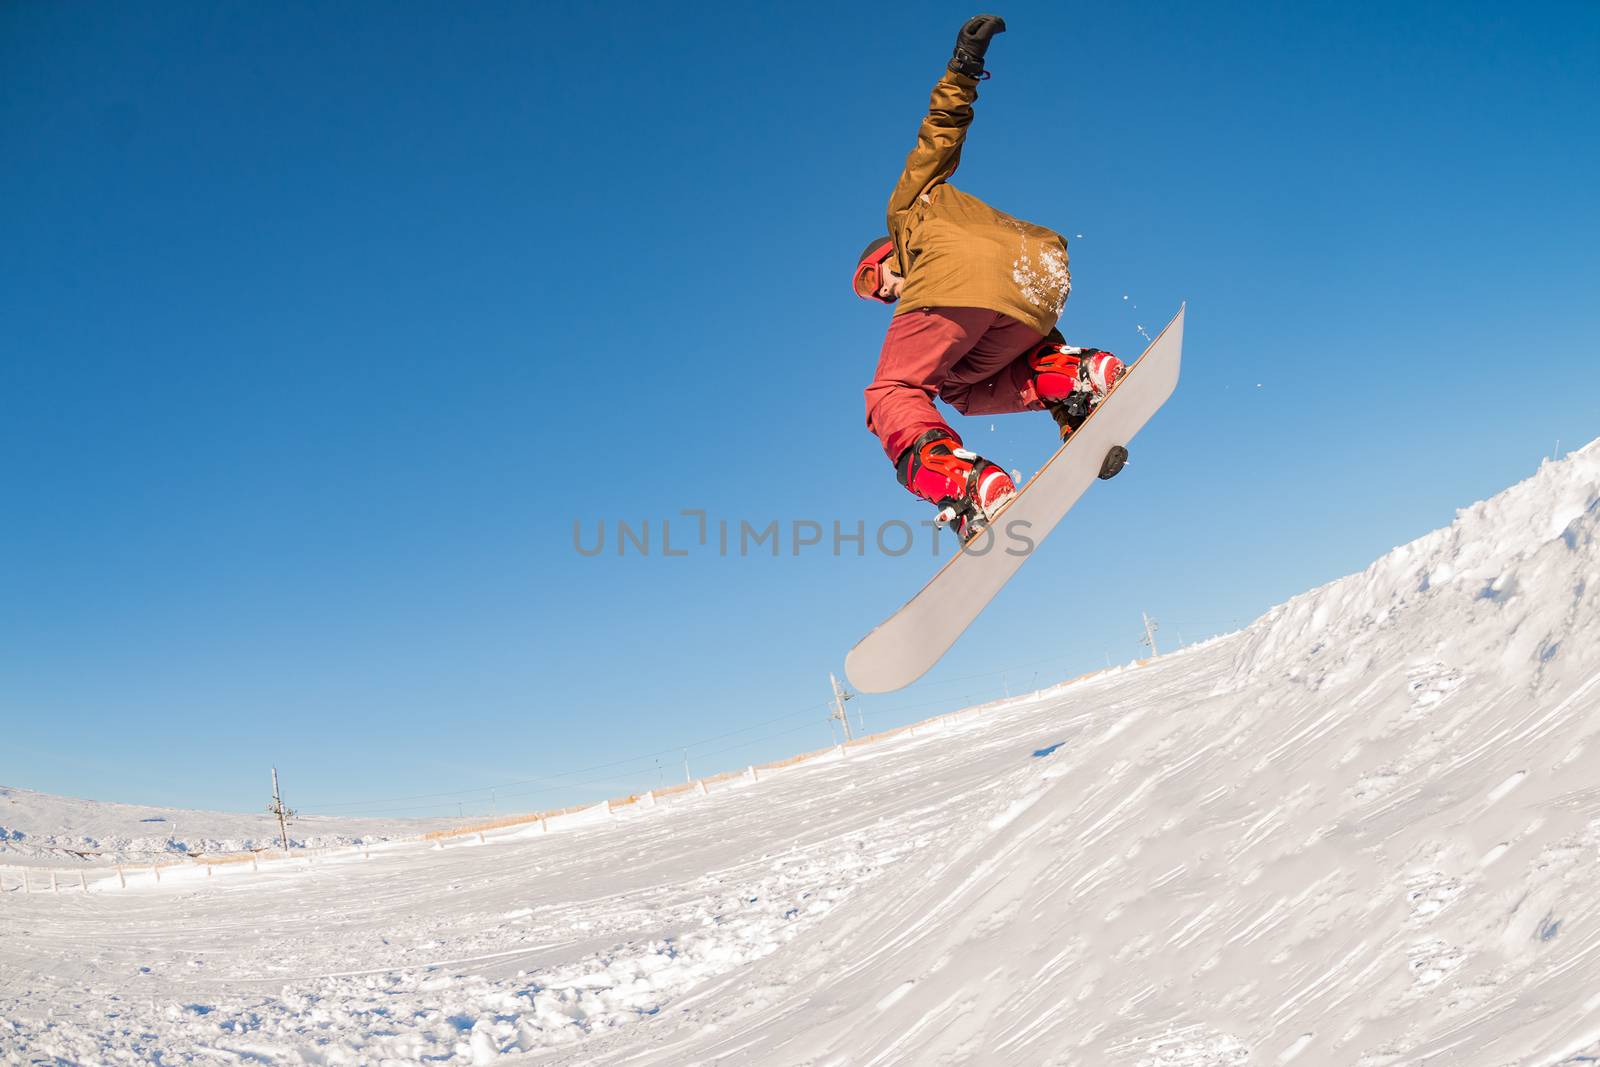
867,281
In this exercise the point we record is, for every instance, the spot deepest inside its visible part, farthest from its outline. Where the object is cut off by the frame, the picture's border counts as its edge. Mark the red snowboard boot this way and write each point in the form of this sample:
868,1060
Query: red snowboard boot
1071,381
968,489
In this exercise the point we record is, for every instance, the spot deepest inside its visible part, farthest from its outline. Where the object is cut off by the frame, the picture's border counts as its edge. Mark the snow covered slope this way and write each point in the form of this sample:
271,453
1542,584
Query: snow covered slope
1364,831
38,829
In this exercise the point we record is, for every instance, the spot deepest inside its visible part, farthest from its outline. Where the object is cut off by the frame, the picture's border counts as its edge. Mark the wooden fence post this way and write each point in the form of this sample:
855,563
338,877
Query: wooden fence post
83,882
122,881
156,869
53,887
700,787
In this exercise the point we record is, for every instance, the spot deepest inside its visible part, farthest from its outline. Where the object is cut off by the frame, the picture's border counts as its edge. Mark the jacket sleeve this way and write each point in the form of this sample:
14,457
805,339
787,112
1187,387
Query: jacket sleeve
938,150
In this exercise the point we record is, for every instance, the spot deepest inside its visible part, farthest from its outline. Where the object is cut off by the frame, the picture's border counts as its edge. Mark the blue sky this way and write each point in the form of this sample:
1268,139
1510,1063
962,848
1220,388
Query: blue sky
322,325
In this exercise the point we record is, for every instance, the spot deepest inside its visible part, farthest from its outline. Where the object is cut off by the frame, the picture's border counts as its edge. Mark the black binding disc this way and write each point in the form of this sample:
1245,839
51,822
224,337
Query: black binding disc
1116,456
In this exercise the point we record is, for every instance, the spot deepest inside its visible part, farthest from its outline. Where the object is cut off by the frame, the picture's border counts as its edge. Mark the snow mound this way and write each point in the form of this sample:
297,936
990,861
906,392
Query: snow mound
1511,573
1363,832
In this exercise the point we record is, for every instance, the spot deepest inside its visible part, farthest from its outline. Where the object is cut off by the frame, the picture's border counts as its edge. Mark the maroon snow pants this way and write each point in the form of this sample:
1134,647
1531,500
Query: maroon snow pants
972,358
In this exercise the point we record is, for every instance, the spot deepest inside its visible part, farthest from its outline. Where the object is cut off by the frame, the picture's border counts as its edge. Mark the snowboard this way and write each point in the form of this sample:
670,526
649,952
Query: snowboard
904,646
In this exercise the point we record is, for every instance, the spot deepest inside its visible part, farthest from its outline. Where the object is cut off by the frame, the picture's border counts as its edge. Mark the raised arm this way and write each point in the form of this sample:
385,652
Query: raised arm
938,150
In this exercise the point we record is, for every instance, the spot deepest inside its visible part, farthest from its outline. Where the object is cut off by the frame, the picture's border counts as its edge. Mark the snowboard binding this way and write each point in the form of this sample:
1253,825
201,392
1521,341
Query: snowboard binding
967,519
1073,381
1070,413
968,490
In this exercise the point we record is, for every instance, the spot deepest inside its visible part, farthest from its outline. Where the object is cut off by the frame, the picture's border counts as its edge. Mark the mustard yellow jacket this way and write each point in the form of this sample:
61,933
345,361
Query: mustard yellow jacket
956,251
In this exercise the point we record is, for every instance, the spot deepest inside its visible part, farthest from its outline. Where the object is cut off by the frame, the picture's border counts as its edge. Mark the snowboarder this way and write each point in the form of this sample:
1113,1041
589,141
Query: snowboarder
979,293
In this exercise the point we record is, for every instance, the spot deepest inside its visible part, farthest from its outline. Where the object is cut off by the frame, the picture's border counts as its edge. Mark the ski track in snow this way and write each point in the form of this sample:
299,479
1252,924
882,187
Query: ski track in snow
1363,831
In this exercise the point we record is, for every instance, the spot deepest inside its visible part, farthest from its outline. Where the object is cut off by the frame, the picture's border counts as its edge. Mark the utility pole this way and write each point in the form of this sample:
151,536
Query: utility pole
278,810
687,777
1150,628
839,697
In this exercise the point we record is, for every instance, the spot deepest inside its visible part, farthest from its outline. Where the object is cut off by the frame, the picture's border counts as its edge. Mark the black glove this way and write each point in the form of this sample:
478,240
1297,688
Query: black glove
973,41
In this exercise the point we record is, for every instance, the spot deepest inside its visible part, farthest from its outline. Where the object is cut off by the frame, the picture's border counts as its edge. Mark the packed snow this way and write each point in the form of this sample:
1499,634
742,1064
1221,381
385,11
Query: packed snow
1363,831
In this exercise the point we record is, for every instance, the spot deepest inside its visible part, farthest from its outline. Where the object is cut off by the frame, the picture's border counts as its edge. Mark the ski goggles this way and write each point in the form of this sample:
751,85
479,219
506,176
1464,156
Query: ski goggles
868,278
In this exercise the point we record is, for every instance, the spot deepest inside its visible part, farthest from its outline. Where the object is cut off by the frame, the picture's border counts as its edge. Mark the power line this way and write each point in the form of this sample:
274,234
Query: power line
596,781
563,779
553,778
